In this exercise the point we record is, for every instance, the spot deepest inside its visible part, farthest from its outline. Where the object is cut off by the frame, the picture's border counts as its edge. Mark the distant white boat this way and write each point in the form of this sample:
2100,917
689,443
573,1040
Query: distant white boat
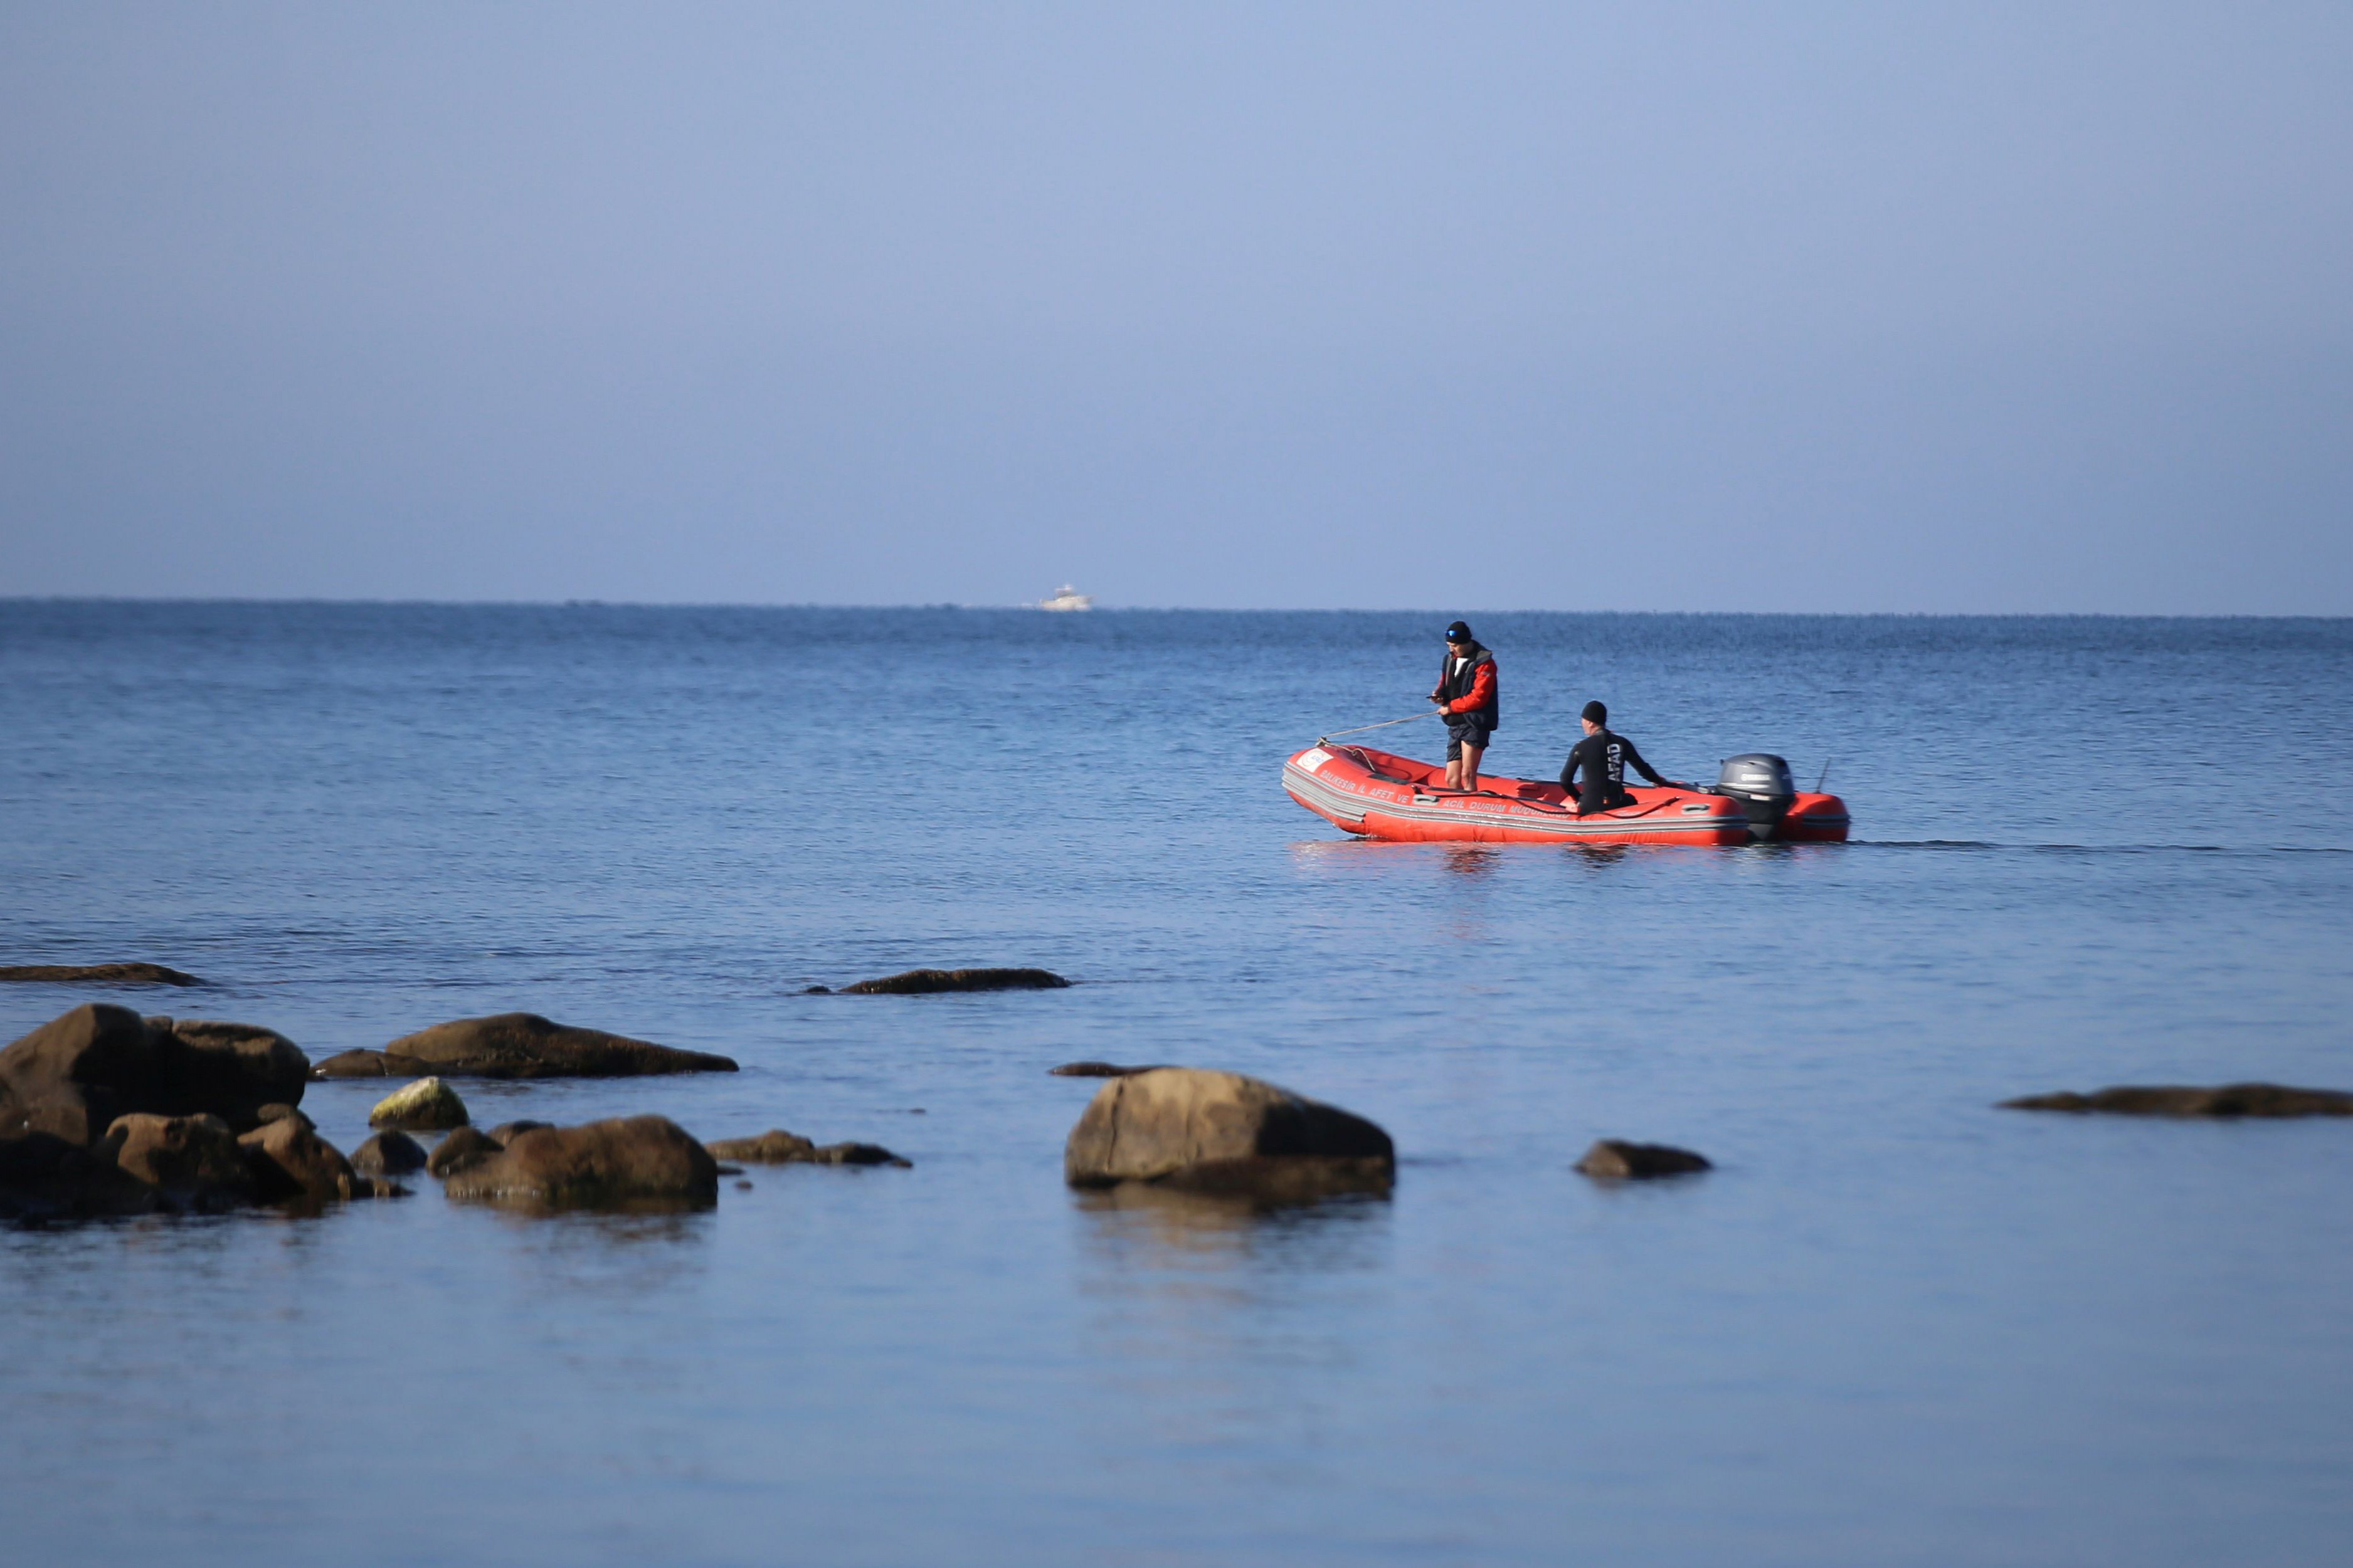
1070,598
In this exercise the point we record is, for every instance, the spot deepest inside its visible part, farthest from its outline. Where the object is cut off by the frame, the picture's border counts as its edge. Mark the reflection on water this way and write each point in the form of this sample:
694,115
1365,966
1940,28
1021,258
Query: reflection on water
1197,1301
1469,860
608,1253
1140,1230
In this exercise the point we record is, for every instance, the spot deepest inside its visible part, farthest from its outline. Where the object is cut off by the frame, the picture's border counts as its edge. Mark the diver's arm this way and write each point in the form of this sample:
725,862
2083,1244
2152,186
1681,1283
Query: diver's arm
1634,759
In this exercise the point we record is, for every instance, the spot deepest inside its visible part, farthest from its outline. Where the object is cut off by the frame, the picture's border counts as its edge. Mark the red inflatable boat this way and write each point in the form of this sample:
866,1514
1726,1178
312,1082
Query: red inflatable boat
1383,796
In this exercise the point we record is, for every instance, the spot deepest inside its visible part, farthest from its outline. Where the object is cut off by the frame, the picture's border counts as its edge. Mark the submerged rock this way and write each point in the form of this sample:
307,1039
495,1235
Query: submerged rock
1096,1069
2232,1100
1615,1160
96,974
364,1064
612,1163
915,982
773,1147
778,1147
518,1044
1220,1132
425,1106
462,1149
857,1154
388,1153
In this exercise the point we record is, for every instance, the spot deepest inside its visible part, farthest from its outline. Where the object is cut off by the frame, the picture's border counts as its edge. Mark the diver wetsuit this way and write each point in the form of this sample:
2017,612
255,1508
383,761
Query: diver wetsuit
1604,757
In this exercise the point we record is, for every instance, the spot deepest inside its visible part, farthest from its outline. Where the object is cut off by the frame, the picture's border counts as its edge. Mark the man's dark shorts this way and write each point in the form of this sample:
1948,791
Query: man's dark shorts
1461,735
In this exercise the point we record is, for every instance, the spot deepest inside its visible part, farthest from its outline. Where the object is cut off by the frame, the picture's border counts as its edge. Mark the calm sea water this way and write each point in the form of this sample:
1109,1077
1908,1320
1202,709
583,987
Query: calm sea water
1894,1326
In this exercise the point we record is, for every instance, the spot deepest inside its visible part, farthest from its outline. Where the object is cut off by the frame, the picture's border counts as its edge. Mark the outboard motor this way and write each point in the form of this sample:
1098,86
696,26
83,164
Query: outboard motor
1760,782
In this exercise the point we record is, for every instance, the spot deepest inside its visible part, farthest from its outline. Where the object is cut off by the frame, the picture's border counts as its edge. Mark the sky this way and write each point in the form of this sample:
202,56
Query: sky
1875,308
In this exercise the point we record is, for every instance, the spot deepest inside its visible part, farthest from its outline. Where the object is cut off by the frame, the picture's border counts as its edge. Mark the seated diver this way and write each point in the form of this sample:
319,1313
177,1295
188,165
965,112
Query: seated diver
1603,758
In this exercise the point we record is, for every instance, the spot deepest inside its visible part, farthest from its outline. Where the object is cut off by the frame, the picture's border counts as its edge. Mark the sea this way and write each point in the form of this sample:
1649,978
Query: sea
1893,1325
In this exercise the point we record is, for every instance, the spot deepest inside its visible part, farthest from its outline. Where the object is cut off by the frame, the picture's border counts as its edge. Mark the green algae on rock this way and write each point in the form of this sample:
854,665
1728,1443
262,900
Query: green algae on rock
425,1106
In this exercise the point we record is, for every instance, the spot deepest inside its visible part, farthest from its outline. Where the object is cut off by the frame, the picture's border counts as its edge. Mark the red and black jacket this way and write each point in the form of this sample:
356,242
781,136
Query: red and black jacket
1469,696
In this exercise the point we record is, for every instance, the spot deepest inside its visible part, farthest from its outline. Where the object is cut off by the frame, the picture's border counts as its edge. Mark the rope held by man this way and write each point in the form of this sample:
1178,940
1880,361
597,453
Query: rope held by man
1382,725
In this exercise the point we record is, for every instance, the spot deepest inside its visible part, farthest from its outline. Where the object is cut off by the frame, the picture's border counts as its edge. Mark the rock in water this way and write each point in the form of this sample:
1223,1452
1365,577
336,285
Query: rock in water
778,1147
73,1077
461,1150
97,975
1614,1160
289,1160
604,1162
389,1154
773,1147
232,1071
364,1064
503,1133
857,1154
518,1044
918,981
2232,1100
1095,1069
191,1162
425,1106
1219,1132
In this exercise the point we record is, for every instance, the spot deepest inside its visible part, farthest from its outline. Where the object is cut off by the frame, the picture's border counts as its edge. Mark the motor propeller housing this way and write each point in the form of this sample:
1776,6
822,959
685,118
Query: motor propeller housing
1760,782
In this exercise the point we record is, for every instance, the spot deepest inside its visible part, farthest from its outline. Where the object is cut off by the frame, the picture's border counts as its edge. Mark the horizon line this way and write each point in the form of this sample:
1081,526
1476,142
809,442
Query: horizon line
1032,607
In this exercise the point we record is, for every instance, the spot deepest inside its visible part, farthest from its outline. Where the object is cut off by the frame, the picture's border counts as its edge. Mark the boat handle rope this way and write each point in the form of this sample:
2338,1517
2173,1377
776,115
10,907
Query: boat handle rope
1382,725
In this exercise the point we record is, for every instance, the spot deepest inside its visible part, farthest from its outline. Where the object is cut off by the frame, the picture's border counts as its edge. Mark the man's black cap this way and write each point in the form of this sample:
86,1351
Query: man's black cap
1596,711
1459,632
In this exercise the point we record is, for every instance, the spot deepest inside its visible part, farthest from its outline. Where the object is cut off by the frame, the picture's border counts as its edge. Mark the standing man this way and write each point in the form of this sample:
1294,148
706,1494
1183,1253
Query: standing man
1466,696
1604,757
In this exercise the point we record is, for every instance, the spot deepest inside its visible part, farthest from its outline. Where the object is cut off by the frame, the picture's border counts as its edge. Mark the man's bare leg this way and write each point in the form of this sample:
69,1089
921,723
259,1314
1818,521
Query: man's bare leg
1471,755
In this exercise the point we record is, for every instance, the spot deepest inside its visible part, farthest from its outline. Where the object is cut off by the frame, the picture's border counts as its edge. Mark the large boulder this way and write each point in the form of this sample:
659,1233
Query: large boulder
190,1161
518,1044
621,1161
778,1147
96,974
2232,1099
428,1105
102,1111
234,1072
916,982
73,1077
1220,1132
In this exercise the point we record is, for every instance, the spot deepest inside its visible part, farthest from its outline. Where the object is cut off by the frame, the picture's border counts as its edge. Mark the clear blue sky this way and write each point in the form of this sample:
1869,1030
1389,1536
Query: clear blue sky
1966,308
